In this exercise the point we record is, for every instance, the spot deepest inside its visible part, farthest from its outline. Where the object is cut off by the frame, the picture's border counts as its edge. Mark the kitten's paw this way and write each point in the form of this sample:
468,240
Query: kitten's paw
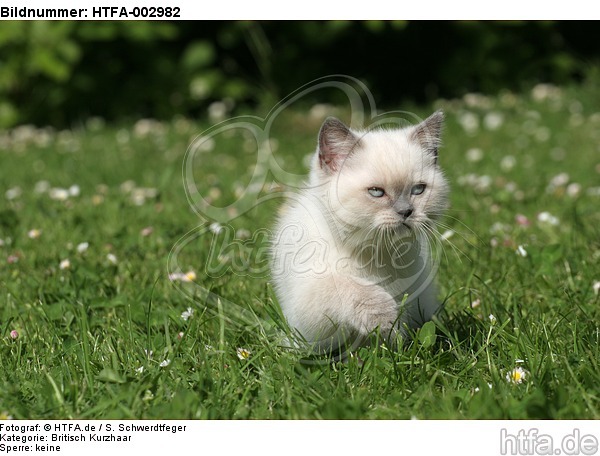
378,309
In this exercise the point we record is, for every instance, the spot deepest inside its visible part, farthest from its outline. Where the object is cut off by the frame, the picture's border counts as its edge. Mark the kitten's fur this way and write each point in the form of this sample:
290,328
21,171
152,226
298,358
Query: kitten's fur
347,260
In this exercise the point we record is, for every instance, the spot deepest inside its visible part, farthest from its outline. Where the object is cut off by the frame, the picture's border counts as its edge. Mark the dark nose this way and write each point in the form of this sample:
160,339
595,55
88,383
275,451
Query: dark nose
405,213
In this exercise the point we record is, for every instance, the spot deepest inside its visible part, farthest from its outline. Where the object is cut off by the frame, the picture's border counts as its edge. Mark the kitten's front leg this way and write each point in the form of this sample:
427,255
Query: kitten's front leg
367,306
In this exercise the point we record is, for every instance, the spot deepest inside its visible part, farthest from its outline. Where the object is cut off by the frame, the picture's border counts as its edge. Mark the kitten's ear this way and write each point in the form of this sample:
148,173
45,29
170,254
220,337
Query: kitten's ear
428,133
336,142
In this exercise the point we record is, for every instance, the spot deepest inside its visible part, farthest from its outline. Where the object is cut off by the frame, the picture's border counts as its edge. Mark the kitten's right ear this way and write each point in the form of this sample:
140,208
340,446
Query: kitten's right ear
336,142
428,133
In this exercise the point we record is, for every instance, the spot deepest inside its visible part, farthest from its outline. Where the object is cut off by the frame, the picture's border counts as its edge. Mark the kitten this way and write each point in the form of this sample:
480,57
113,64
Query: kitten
350,253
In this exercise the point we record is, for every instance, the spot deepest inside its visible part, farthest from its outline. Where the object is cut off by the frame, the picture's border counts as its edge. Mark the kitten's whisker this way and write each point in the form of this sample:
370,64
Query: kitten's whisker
442,224
432,240
458,252
462,235
460,222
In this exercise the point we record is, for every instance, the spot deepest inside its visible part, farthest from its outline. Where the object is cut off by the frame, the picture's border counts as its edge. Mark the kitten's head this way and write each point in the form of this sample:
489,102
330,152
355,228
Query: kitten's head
382,179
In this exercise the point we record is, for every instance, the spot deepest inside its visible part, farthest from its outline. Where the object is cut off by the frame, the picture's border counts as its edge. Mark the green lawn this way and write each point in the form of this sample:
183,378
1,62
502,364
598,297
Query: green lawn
102,335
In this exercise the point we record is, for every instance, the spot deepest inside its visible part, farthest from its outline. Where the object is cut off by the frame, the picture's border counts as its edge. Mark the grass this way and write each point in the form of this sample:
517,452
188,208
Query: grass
93,338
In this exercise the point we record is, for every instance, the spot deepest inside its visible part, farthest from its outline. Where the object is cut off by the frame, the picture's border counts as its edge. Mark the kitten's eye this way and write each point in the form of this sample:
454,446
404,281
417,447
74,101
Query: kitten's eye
376,192
417,189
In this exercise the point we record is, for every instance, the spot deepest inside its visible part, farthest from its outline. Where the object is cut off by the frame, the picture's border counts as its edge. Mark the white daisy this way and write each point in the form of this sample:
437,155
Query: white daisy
187,314
243,353
521,251
517,375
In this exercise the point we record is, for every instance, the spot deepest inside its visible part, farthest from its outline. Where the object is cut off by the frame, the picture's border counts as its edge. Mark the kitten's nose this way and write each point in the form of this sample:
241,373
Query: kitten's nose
406,212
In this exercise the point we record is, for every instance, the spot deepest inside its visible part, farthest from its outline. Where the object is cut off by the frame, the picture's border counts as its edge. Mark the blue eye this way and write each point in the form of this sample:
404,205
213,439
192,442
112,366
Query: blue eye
376,192
417,189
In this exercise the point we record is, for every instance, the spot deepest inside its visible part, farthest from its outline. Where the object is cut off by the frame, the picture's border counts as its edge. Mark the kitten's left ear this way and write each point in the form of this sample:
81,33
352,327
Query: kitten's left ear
428,133
336,142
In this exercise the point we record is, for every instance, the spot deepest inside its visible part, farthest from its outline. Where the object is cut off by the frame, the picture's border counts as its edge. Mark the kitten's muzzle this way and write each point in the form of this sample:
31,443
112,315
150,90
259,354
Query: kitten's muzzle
405,213
403,208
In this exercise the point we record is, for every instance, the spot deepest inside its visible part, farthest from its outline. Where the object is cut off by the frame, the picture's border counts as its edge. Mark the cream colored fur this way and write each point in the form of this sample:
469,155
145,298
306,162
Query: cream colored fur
345,262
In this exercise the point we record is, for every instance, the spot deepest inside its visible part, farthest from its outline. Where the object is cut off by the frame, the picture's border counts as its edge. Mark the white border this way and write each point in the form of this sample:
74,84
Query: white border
461,438
341,10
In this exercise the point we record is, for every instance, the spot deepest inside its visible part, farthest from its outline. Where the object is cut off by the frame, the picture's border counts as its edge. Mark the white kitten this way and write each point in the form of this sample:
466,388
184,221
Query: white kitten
350,253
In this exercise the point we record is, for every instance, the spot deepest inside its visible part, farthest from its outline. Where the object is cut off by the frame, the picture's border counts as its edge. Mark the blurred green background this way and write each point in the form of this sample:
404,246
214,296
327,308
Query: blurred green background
60,73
